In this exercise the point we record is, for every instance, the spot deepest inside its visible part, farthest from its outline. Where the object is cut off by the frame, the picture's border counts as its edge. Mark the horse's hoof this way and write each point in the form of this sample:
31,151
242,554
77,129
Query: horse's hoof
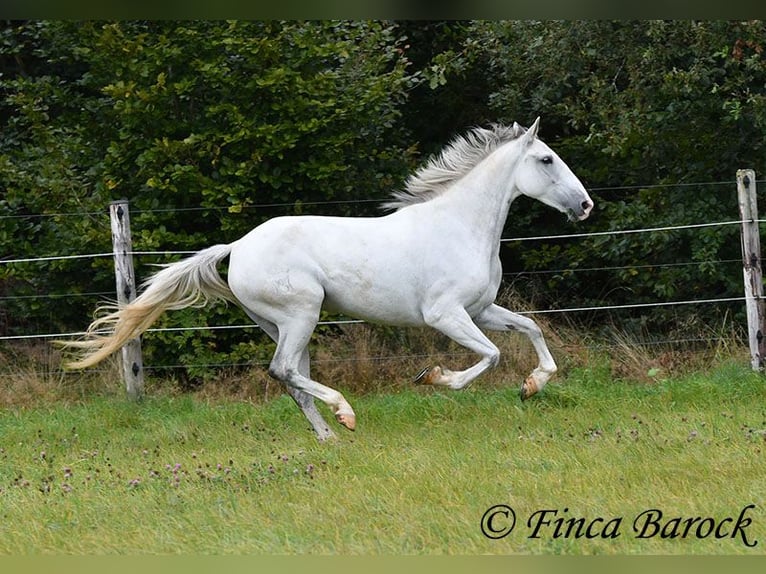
348,421
325,435
528,388
423,377
428,376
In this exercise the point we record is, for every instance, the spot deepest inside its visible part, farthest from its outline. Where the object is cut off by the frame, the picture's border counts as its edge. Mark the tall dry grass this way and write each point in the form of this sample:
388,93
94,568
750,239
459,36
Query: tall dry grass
31,374
363,358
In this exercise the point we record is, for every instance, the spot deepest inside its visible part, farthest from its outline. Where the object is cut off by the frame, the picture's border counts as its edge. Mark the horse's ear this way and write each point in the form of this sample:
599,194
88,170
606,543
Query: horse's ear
531,134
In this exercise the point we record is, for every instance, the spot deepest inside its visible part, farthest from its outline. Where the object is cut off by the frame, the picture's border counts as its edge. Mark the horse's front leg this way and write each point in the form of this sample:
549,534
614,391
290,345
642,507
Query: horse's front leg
458,326
496,318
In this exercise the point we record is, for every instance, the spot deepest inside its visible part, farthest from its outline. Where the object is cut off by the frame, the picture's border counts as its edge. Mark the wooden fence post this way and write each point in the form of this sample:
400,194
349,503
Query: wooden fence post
122,247
751,266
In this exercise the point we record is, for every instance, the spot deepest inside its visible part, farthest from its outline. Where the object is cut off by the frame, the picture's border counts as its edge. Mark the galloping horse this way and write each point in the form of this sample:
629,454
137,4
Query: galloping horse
434,260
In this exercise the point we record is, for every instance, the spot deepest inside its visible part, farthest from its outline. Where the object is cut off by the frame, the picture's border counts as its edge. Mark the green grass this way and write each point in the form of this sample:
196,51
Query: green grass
181,475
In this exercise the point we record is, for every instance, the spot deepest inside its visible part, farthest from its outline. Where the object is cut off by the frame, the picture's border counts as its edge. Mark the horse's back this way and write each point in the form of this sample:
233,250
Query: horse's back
357,266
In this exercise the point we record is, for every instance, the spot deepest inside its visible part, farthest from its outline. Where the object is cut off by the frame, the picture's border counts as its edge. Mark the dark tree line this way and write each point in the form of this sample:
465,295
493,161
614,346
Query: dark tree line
203,124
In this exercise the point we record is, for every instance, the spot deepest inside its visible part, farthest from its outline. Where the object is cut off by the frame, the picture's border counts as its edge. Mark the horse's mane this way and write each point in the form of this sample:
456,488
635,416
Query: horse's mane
460,156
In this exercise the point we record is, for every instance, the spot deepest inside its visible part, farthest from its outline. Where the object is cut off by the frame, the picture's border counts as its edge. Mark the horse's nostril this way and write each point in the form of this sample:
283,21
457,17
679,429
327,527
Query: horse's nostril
586,205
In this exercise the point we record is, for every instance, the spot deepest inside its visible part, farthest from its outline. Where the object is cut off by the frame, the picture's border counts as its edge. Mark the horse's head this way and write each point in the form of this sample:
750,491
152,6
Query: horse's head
542,175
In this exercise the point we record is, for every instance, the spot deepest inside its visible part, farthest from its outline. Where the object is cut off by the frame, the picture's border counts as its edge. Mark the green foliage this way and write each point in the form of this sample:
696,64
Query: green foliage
199,125
641,106
209,128
453,86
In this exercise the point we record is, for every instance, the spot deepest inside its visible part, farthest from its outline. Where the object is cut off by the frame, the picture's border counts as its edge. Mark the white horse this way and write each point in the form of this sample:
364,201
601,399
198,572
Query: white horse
433,261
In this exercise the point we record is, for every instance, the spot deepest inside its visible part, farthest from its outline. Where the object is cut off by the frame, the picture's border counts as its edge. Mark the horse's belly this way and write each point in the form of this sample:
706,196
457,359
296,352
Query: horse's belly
364,299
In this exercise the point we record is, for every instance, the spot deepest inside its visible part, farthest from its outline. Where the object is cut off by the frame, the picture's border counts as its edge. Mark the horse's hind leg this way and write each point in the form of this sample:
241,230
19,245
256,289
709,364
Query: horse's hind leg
304,401
292,344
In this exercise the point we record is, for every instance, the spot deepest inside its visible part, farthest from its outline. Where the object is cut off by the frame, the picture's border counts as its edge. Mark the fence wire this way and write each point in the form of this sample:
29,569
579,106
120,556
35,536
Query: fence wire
167,253
615,232
281,205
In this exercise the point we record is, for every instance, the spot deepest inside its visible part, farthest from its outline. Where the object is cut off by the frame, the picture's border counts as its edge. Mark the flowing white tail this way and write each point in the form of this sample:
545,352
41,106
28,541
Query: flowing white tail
191,282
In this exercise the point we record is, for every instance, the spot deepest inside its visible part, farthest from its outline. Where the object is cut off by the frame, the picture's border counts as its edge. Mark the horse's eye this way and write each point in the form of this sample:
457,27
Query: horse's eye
547,160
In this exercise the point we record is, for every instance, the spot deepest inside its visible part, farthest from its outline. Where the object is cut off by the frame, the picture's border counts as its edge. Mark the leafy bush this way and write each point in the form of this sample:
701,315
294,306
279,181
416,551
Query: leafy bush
645,113
201,125
209,128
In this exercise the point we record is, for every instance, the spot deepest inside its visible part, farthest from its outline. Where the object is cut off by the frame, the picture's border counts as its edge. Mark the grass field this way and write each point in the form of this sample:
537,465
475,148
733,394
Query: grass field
189,473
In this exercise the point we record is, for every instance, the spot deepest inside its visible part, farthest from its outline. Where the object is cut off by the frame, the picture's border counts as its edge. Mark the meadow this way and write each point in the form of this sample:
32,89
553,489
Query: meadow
663,461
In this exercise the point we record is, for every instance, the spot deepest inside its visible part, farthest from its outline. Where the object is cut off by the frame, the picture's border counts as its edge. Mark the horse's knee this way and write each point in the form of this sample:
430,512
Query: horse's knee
530,328
279,372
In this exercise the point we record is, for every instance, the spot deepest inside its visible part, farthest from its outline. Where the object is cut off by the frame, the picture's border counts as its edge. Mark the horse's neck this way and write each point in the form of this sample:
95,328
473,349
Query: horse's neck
482,198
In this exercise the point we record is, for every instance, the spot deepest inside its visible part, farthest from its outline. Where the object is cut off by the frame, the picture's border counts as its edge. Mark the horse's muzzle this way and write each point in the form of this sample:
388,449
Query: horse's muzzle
581,212
586,206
